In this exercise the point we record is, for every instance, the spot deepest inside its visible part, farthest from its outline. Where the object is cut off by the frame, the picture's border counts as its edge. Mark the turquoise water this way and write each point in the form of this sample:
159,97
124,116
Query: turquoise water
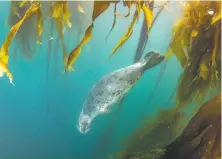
38,118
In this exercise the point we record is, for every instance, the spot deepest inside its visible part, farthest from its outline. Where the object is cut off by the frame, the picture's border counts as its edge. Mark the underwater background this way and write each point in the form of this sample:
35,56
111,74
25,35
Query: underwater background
39,113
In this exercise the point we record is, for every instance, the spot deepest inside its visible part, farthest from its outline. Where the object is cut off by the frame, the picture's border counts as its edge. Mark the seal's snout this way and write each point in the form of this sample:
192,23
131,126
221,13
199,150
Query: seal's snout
84,123
82,129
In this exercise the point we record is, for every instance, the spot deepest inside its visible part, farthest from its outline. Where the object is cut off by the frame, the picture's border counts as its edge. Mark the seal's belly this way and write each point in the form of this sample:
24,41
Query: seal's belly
109,90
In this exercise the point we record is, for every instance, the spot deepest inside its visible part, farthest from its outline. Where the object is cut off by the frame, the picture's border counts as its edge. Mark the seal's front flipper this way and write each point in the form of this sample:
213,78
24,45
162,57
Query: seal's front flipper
104,110
120,105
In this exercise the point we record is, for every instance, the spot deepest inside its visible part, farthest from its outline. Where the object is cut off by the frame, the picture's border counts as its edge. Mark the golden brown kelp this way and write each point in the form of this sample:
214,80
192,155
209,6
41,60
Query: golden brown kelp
145,32
143,37
78,22
39,24
4,55
129,32
202,136
61,13
114,20
99,8
75,53
148,14
195,42
26,37
148,141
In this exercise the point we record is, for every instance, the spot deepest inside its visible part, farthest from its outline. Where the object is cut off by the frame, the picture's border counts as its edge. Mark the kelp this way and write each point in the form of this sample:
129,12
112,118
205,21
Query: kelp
114,21
202,136
4,55
75,53
171,134
80,9
125,3
195,42
143,36
26,37
129,32
80,21
39,24
99,8
61,13
148,14
149,140
146,29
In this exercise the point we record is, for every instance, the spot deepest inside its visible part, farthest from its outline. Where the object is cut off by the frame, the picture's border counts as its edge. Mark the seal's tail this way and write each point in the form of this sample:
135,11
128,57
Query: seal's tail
153,59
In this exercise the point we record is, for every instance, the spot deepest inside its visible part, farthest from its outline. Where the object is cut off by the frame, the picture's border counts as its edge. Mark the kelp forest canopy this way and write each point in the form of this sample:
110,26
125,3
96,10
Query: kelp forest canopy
195,42
28,17
195,37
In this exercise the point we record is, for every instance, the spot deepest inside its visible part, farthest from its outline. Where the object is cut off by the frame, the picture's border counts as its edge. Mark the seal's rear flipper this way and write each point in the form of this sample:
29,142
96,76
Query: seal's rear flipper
152,59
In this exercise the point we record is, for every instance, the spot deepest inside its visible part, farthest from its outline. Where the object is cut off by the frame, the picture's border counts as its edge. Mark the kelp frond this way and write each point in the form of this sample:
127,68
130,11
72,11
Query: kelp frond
66,14
25,39
75,53
35,7
129,32
61,14
149,140
99,8
39,24
195,42
114,21
148,14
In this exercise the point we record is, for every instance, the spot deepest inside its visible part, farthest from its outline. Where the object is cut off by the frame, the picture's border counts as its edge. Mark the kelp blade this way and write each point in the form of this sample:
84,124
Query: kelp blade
114,21
128,33
61,14
99,8
201,64
5,47
76,52
148,14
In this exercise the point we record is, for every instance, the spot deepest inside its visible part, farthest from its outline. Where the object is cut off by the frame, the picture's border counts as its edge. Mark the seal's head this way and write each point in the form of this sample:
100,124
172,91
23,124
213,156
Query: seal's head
84,123
152,59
